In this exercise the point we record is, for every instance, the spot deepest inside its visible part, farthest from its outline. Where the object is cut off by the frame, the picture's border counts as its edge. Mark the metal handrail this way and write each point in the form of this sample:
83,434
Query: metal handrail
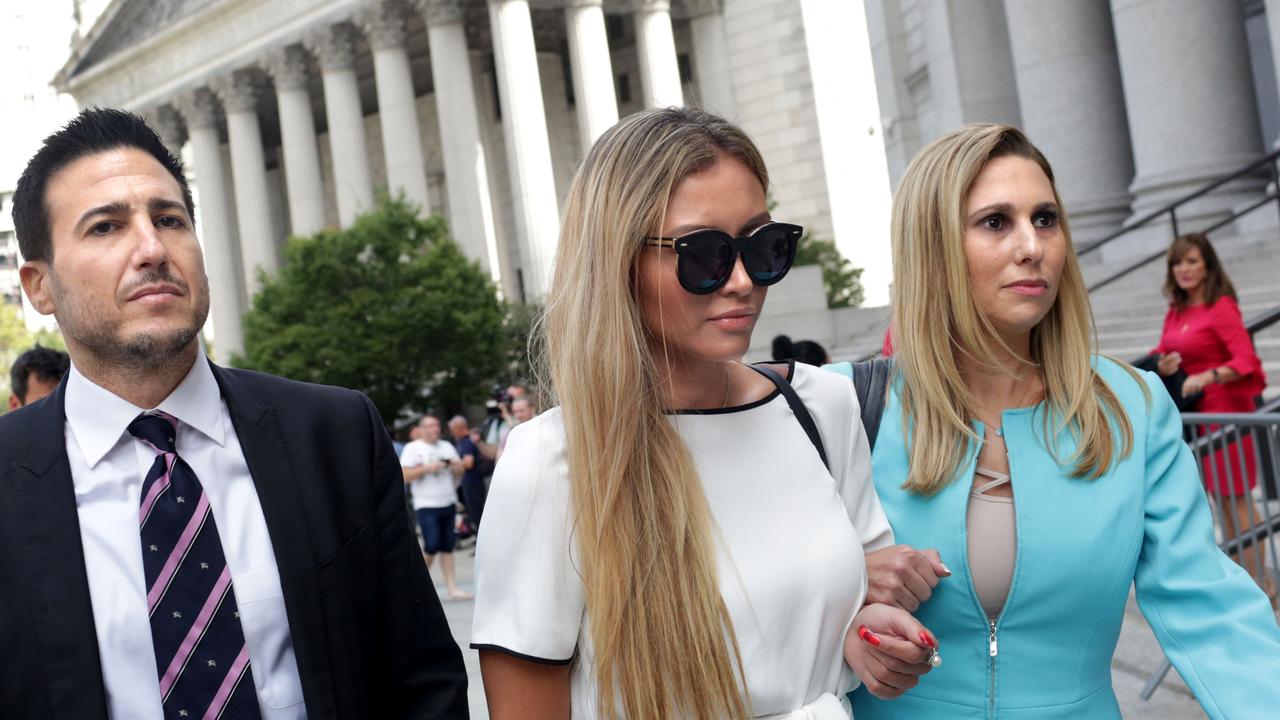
1144,260
1227,423
1262,321
1172,208
1219,440
1160,253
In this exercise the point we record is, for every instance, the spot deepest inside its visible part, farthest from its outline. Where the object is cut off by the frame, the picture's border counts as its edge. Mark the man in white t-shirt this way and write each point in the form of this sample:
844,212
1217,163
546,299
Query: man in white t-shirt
431,469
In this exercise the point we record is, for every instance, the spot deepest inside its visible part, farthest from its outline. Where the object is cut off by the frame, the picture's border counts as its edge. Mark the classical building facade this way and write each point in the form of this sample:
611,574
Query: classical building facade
294,114
1135,102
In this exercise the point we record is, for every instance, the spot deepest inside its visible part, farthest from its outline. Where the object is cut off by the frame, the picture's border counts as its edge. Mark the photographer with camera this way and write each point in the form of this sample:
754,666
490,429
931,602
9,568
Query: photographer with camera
506,408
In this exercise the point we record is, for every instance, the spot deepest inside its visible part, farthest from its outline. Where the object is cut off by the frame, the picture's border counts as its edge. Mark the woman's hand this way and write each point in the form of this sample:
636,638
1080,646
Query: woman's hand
902,576
891,652
1196,383
1169,363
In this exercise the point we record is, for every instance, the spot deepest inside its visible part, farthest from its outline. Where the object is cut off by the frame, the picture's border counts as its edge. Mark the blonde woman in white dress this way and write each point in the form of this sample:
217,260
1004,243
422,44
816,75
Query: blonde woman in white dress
669,542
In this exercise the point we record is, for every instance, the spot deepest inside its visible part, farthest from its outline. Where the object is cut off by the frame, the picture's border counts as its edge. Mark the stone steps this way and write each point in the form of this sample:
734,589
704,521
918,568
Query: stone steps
1129,314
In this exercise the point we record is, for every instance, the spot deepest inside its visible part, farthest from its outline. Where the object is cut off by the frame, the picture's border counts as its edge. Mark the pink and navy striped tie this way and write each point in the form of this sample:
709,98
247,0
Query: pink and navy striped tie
201,657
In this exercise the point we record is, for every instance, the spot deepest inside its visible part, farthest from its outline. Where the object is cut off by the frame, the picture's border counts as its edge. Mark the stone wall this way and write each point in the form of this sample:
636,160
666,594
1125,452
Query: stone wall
775,104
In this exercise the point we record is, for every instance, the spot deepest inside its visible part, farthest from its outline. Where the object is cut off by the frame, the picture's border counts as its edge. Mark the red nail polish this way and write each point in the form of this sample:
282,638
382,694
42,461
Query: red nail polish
868,636
928,640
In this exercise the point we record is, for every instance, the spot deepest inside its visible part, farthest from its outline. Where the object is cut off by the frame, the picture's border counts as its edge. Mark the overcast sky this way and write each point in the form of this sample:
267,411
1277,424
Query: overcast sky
35,38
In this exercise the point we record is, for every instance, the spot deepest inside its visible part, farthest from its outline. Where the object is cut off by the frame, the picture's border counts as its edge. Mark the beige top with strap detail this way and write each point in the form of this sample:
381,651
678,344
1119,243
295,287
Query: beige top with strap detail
992,538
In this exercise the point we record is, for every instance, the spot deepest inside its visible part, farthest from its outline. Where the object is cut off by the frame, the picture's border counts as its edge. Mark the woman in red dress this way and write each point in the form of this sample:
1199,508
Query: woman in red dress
1204,334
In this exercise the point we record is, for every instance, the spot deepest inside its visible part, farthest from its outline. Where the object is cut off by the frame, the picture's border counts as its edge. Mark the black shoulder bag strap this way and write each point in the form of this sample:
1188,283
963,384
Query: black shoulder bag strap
797,408
871,383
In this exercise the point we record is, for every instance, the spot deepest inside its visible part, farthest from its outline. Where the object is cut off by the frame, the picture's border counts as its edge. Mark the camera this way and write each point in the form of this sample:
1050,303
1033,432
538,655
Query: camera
500,395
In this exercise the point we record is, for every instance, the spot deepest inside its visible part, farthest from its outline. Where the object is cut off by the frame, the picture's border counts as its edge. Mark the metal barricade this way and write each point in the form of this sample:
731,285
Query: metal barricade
1238,455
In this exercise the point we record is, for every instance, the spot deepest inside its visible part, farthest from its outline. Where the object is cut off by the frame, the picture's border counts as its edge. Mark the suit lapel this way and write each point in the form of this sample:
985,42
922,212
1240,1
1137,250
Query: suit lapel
49,529
267,455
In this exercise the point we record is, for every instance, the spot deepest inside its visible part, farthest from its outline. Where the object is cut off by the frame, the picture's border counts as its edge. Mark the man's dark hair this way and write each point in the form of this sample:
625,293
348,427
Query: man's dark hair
94,130
45,363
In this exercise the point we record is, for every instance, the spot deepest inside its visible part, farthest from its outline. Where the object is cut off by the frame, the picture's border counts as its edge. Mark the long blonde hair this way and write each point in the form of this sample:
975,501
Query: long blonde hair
662,638
935,320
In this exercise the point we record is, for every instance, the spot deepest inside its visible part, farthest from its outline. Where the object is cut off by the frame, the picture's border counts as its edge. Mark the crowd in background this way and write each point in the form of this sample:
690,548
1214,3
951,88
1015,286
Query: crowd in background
447,475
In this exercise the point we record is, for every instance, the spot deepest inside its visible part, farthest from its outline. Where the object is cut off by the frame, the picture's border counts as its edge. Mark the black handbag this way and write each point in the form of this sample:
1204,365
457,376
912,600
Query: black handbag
1172,383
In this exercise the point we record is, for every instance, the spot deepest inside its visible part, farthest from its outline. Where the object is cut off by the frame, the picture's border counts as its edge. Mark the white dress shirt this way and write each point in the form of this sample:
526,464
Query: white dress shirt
108,466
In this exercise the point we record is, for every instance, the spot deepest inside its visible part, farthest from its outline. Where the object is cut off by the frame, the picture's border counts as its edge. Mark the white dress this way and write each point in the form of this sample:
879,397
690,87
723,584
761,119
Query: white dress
790,538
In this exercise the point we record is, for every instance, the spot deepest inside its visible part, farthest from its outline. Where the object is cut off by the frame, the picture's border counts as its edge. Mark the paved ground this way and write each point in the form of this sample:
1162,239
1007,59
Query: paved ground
459,614
1137,656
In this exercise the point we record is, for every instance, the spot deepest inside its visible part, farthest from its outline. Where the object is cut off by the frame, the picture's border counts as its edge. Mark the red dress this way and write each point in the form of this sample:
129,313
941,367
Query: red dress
1212,336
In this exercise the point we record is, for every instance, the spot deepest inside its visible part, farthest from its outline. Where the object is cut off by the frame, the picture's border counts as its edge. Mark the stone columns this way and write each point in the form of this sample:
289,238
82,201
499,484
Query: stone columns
656,45
1192,110
239,94
597,101
352,181
1072,106
711,65
384,25
168,125
528,149
470,208
560,121
221,253
289,68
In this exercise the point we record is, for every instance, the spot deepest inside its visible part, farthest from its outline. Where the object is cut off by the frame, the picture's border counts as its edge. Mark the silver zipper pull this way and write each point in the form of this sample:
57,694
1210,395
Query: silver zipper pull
995,649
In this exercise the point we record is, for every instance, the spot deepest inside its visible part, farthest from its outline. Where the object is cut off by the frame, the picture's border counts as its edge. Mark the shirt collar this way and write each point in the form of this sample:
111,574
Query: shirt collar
99,417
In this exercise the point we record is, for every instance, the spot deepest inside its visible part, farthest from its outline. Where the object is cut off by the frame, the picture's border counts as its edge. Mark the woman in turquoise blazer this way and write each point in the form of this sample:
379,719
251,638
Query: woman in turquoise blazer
993,370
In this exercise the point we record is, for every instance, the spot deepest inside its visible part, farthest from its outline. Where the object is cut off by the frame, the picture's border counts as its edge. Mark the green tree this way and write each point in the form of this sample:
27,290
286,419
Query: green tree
14,340
843,281
14,337
519,328
390,307
50,338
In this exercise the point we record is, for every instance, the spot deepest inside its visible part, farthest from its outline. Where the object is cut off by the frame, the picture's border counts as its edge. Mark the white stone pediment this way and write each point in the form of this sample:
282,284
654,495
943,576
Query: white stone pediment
137,56
132,22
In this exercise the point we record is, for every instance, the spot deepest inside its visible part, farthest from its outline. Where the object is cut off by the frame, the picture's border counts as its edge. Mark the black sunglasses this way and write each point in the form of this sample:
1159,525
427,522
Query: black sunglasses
705,258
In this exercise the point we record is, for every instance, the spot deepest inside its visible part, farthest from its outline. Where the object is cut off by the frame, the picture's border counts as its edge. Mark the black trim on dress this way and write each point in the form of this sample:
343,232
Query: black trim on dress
791,373
519,655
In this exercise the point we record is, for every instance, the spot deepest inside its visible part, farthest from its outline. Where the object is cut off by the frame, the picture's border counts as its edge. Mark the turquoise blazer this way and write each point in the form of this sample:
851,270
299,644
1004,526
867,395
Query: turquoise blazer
1081,545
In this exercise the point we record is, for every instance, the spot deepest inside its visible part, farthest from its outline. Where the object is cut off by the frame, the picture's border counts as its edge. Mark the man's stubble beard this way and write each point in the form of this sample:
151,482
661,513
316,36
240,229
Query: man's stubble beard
144,351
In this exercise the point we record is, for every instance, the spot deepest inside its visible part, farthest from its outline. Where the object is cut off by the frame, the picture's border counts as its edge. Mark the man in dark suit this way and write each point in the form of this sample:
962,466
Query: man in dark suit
179,539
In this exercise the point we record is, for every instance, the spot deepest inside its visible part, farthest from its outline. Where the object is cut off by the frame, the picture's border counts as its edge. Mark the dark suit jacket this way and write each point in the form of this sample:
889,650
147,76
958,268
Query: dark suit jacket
370,636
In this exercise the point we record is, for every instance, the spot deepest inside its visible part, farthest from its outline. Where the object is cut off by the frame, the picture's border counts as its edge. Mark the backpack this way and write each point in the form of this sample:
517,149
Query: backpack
871,383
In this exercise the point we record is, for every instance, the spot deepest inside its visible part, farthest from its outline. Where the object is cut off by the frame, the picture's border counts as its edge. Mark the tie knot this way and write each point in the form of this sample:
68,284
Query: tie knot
156,430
